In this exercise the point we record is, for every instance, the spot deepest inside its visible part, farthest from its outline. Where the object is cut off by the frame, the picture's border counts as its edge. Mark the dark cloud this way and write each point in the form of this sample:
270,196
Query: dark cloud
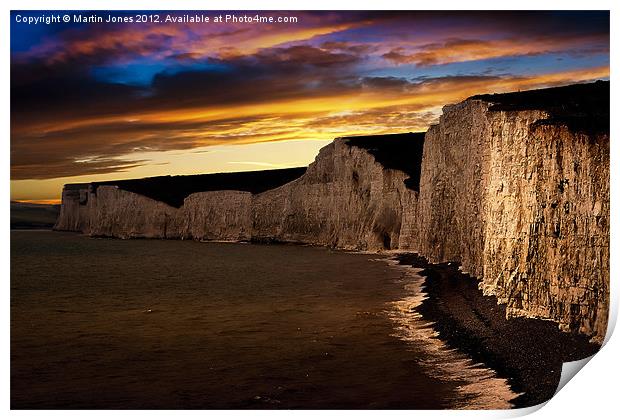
454,50
395,83
356,49
53,90
70,93
379,120
70,167
66,121
304,55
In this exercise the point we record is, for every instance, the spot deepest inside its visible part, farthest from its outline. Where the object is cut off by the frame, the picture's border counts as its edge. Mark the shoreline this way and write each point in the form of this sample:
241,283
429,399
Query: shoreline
476,386
527,352
326,333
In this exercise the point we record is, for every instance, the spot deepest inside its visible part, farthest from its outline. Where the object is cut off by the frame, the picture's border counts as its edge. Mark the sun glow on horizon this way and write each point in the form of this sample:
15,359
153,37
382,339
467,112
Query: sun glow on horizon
236,98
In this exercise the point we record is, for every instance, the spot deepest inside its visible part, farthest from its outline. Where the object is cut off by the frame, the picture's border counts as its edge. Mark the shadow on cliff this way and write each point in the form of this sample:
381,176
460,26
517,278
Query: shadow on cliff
401,151
581,107
173,190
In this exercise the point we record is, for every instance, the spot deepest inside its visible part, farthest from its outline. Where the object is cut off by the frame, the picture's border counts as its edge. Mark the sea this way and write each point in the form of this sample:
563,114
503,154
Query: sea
101,323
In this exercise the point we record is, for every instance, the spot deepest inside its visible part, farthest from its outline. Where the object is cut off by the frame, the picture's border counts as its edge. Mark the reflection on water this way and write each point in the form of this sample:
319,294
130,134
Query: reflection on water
480,388
103,323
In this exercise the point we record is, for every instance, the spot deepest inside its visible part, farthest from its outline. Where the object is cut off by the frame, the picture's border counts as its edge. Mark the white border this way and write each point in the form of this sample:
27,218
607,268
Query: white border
592,395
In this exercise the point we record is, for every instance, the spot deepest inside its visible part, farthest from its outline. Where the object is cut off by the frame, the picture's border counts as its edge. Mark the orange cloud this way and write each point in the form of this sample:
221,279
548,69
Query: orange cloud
455,50
181,41
96,144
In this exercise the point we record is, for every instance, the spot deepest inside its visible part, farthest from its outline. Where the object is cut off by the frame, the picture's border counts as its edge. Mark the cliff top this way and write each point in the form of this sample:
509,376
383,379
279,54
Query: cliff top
172,190
395,151
581,107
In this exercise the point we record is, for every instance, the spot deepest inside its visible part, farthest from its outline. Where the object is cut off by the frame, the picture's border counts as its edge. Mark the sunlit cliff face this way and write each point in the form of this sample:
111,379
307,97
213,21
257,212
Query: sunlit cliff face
105,101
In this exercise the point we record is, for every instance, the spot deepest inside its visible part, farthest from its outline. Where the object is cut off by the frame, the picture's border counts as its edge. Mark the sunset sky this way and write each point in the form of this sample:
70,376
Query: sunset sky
104,101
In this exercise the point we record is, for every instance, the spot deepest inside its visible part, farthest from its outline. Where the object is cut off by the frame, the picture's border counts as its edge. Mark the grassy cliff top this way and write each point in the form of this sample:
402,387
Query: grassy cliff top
173,190
582,107
395,151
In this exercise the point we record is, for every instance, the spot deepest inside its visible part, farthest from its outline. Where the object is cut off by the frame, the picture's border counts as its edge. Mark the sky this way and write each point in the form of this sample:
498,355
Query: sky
95,101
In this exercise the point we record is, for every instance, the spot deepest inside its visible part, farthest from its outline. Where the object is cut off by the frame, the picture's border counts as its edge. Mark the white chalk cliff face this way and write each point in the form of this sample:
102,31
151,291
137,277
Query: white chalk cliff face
523,206
346,199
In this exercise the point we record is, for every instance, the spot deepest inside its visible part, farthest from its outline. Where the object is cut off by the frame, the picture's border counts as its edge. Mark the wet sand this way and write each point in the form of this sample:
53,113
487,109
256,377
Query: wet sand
527,352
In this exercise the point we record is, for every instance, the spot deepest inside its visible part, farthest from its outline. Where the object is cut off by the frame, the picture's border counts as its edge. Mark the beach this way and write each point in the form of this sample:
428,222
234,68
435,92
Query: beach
527,352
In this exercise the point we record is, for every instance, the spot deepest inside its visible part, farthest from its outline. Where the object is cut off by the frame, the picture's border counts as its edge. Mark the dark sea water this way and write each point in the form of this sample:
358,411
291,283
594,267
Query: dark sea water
105,323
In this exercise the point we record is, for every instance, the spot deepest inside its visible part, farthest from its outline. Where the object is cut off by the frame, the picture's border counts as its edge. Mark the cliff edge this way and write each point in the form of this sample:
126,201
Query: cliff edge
526,209
513,187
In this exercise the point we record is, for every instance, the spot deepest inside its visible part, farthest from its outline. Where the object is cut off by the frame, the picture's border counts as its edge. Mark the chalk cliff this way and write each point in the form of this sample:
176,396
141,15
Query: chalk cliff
345,199
513,187
526,207
527,211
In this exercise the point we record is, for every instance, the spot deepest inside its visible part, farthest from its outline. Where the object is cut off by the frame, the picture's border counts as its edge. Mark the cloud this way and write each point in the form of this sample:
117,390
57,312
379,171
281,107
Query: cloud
304,55
388,82
70,167
454,50
368,105
348,47
100,44
333,74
